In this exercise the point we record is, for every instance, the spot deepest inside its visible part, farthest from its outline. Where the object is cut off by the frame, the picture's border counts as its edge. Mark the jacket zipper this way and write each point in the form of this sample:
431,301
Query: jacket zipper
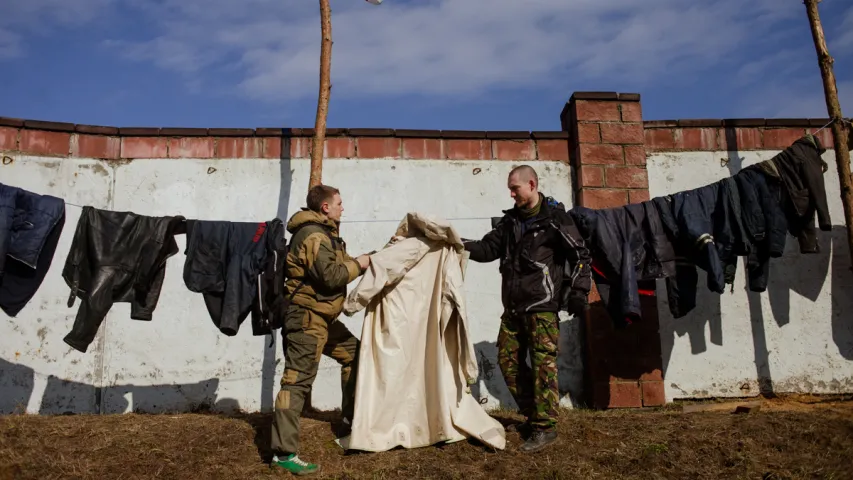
547,284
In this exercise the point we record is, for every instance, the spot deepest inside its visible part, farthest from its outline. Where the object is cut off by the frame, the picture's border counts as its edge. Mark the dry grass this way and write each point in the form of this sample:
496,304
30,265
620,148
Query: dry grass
796,438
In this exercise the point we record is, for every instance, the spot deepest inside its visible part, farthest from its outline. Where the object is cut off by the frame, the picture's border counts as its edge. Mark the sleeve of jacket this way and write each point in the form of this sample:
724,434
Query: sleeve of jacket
752,215
5,236
323,265
577,253
813,173
7,214
488,249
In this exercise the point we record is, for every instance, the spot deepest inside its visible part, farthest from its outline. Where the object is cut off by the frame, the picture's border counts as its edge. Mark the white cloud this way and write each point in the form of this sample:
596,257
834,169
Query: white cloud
451,47
844,41
797,100
10,44
40,17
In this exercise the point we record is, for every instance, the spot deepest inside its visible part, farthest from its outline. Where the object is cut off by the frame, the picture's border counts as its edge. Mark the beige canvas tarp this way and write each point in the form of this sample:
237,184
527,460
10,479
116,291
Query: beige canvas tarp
417,361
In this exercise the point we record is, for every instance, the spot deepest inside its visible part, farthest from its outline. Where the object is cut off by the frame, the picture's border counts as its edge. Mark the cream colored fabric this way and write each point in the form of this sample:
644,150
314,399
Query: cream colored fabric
416,360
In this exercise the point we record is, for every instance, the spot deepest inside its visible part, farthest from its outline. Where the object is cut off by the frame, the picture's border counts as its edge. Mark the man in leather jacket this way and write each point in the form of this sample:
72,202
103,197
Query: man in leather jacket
545,268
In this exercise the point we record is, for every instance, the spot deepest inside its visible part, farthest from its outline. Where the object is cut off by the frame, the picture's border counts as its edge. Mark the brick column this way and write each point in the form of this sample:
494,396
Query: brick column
608,155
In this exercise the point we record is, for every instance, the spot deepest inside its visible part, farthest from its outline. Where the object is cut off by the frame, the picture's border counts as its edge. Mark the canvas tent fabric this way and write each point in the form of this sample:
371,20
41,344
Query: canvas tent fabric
417,361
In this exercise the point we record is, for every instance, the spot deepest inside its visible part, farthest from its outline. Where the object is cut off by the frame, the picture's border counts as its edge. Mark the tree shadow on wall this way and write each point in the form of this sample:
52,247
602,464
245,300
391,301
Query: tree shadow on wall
65,397
570,365
268,367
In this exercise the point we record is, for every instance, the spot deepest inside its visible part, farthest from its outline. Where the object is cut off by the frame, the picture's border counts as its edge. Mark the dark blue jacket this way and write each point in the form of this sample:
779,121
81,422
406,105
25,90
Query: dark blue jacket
709,231
26,219
696,213
30,227
765,222
628,244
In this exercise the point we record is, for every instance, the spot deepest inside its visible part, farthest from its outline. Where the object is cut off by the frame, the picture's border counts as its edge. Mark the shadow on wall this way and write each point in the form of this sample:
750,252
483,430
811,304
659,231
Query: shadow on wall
842,293
268,367
804,274
569,362
64,397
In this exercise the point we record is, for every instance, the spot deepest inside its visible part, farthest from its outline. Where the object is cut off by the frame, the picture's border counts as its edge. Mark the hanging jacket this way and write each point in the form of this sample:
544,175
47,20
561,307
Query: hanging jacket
709,231
544,262
730,234
272,301
761,204
30,227
765,221
318,265
629,245
801,170
695,212
116,257
224,262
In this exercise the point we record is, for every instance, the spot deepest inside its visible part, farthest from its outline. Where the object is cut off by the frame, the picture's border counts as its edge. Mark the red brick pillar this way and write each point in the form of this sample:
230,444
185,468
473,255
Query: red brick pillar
608,155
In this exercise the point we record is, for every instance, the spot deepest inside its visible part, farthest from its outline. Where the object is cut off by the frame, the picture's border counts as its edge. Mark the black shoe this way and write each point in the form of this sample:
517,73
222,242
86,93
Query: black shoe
344,428
539,440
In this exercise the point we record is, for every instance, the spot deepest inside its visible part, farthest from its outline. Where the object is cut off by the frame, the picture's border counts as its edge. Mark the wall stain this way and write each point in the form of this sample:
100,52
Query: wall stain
97,168
51,164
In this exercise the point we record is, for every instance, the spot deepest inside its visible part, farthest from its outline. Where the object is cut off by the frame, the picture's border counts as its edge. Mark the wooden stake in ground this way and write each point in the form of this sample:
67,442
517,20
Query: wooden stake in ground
325,92
840,129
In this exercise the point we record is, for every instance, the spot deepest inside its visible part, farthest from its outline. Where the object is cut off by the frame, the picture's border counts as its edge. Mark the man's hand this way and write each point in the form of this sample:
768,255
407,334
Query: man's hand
576,303
363,261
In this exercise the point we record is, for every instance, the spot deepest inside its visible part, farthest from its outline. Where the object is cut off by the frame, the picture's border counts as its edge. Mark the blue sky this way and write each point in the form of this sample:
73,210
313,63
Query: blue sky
425,64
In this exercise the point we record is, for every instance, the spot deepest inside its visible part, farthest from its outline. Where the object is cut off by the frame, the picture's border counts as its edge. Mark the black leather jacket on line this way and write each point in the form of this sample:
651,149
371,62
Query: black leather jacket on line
116,257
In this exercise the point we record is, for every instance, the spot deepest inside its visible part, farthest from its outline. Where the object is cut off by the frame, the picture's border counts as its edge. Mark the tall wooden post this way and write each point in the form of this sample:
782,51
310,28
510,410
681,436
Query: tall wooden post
325,93
840,129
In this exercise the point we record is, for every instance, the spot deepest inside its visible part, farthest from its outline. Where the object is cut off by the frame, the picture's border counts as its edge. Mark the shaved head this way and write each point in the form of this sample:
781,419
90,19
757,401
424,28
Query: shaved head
525,174
523,184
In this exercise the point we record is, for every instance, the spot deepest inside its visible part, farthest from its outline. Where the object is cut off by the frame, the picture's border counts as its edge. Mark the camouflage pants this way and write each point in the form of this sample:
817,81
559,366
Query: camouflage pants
307,337
534,387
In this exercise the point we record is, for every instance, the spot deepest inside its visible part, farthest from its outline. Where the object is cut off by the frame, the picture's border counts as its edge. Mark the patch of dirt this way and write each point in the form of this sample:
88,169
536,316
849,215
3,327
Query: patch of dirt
785,439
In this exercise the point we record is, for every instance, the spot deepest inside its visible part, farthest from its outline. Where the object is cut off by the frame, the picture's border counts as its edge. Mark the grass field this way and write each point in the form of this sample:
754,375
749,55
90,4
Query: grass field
790,438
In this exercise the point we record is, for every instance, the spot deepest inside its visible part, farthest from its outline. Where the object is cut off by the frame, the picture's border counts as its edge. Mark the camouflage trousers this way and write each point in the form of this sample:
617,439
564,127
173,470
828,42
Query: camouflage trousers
534,387
307,337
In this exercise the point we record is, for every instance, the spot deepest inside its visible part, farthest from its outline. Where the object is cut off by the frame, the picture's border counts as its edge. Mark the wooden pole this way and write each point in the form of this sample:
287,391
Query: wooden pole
325,92
840,129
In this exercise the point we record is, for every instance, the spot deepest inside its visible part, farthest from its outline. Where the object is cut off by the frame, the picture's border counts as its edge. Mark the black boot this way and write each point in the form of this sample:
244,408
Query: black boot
344,428
539,440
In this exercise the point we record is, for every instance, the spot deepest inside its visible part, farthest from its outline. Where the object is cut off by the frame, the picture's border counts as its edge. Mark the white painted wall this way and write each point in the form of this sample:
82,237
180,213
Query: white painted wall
180,361
795,337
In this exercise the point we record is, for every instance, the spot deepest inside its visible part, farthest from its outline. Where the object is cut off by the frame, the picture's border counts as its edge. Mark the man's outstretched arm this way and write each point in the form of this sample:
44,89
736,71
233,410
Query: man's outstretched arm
486,250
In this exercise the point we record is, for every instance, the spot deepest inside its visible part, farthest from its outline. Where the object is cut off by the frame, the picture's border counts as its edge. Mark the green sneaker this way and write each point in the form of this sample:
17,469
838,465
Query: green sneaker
295,465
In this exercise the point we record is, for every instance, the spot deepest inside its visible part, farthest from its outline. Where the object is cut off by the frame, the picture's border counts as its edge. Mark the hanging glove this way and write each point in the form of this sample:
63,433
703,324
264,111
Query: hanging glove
575,302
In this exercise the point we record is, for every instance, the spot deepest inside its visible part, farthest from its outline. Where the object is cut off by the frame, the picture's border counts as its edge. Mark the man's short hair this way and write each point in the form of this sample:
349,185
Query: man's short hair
319,195
525,172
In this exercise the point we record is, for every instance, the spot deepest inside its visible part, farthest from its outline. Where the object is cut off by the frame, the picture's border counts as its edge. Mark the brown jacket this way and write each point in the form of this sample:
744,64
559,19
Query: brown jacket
317,259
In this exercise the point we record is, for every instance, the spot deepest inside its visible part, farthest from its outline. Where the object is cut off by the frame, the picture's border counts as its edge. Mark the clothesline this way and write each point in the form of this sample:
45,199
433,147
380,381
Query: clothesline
844,120
363,221
749,204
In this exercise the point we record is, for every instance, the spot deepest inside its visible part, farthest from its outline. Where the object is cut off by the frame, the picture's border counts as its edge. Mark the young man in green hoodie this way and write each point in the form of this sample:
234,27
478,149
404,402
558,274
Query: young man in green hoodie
318,271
